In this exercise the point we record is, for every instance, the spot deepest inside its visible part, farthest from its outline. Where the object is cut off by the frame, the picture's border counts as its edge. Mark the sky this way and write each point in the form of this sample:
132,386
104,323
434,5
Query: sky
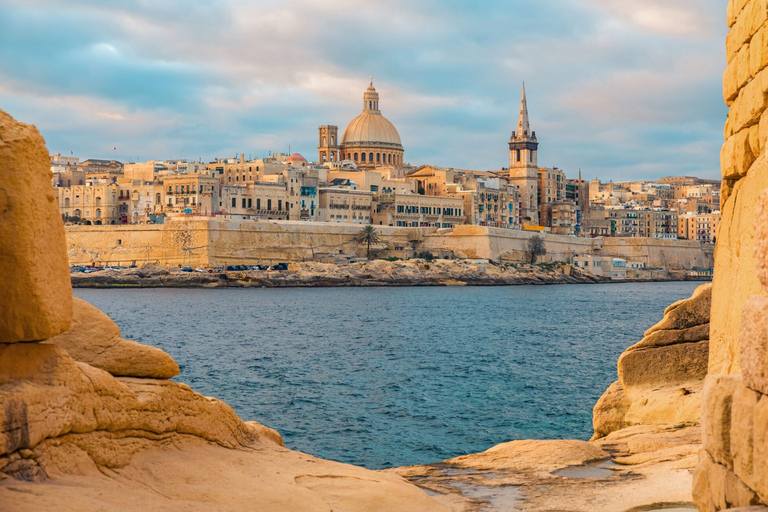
620,89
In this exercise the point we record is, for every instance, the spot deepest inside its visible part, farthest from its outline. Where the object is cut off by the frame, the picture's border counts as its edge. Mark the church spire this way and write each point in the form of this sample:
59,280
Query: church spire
523,125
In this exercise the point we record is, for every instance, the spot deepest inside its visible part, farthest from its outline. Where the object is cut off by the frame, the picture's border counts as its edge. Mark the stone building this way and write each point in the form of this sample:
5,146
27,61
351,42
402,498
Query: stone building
370,140
414,210
257,200
191,193
344,204
96,202
523,164
550,189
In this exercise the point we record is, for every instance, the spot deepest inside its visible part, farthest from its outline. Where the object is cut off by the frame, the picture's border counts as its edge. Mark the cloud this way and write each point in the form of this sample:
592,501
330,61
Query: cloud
206,78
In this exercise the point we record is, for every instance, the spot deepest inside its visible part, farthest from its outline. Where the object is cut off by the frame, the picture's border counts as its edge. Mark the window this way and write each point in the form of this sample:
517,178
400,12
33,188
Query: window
370,157
518,155
269,204
362,157
243,202
234,202
258,204
279,204
355,157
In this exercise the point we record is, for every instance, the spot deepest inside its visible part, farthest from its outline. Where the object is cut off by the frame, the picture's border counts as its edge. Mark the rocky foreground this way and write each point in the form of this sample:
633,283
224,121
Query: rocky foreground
371,273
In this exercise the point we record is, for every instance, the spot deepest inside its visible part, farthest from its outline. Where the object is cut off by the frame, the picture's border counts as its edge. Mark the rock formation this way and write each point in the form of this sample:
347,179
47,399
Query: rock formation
88,421
36,302
661,377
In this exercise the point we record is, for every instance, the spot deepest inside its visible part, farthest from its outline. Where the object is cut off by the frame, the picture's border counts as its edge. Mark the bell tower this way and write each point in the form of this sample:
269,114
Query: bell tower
523,164
328,144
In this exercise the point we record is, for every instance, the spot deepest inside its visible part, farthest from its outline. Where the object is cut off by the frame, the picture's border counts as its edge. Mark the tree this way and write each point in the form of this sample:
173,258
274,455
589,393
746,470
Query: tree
536,247
368,235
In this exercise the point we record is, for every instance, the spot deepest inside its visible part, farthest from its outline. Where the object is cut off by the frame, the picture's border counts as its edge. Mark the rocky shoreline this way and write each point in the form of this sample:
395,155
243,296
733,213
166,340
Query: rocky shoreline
372,273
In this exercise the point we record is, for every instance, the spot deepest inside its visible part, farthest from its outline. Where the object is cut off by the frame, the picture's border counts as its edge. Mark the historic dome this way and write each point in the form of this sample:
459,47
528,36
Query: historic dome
371,139
371,126
296,158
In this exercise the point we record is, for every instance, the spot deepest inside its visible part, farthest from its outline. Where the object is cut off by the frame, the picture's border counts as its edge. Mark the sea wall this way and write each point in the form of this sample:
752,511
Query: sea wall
201,241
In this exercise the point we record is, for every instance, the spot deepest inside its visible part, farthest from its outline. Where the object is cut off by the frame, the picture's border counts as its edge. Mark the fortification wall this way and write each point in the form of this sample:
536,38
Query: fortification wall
205,241
510,245
655,252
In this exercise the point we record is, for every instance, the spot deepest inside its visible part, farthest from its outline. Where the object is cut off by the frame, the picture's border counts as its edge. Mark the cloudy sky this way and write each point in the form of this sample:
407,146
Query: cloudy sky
621,89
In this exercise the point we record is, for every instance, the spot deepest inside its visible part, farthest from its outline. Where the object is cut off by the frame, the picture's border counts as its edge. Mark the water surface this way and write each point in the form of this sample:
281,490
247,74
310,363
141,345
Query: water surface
384,377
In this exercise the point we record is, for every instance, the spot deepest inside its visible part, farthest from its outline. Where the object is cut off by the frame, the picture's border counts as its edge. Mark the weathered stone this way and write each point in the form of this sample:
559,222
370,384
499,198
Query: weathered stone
95,339
754,343
760,449
735,277
709,484
755,508
687,312
749,105
736,155
672,337
746,25
610,410
663,366
742,433
737,494
716,416
667,405
36,301
761,236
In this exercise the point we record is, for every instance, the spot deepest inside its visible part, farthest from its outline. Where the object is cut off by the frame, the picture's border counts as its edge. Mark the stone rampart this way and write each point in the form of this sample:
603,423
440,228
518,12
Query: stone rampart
201,241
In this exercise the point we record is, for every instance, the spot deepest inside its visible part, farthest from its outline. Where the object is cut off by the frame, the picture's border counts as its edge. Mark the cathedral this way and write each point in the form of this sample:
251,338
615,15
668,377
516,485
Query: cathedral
370,140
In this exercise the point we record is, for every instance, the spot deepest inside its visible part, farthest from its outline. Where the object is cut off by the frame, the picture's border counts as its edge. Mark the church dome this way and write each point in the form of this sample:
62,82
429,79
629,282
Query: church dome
370,140
370,126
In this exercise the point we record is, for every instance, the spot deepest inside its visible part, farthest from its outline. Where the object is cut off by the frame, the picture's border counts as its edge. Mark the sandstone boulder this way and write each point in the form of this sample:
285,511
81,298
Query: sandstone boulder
661,376
95,339
610,411
36,301
687,312
754,343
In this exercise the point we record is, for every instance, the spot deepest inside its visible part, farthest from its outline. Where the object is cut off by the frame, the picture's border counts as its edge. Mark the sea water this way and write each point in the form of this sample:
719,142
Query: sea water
393,376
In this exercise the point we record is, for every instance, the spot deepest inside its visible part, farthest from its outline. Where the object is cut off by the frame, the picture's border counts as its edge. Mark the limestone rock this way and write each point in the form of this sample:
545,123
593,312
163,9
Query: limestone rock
527,454
735,278
743,410
687,312
610,410
716,416
761,238
661,406
663,366
36,302
95,339
754,343
673,336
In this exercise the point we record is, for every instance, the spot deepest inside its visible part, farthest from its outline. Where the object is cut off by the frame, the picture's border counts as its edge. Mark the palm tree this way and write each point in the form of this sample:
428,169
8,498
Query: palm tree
368,235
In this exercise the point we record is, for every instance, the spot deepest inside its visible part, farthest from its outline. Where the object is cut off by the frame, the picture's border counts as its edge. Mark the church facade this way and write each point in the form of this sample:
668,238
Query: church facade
523,164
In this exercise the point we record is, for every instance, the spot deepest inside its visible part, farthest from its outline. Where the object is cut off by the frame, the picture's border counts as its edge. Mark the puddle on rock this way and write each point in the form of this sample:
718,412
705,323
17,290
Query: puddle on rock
594,470
503,497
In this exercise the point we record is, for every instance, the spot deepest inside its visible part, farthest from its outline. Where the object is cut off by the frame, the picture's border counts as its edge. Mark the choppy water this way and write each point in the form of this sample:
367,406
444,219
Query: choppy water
384,377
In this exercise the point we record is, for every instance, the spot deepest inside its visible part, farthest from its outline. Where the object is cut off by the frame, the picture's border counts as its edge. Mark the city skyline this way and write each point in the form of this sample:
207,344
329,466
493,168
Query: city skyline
640,99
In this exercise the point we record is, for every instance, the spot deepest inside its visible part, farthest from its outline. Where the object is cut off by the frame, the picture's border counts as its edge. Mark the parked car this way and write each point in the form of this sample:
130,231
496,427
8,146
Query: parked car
201,269
231,267
280,266
185,269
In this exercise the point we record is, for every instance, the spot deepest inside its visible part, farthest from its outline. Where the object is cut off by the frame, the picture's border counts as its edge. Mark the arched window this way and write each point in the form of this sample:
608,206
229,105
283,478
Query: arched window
157,198
77,213
323,140
98,201
323,157
98,213
355,157
362,157
66,202
518,155
378,158
389,157
370,157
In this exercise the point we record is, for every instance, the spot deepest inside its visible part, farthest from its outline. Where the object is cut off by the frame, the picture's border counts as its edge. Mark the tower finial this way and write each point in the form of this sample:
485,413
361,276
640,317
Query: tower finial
371,80
523,125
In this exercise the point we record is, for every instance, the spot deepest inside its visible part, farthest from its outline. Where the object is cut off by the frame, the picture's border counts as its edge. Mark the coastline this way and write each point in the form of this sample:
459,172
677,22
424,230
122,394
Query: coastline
362,274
